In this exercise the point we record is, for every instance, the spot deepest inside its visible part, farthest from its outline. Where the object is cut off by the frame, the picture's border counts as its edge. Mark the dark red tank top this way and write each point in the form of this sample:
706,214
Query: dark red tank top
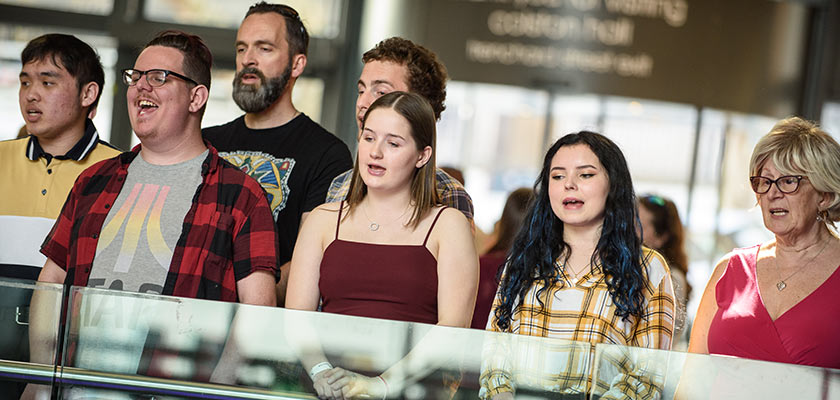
389,281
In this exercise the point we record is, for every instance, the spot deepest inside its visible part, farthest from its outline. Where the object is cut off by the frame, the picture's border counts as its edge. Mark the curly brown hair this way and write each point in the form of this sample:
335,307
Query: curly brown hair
426,74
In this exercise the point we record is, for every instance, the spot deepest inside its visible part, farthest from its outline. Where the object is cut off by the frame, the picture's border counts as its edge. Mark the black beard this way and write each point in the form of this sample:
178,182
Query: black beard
254,99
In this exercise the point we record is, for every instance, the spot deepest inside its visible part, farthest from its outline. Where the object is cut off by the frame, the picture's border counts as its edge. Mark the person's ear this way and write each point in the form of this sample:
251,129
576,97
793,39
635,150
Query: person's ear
198,97
88,93
298,65
825,201
424,157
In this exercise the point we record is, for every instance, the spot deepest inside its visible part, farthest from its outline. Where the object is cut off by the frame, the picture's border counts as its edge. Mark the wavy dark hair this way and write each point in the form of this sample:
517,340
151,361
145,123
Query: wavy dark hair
540,240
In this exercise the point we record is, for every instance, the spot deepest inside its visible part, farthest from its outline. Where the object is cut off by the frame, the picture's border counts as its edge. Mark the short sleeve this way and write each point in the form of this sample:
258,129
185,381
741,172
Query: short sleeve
453,194
335,161
255,245
339,188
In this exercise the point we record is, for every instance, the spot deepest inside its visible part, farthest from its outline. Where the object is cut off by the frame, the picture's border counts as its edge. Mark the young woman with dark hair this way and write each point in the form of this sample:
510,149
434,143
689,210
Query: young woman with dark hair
577,269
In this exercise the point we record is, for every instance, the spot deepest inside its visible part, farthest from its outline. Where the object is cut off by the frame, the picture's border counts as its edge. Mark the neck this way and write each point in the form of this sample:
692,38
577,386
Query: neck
804,243
277,114
61,144
387,204
185,148
582,239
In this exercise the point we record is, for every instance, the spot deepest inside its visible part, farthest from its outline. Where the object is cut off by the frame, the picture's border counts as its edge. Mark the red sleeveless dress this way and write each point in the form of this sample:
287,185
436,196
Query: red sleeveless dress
806,334
389,281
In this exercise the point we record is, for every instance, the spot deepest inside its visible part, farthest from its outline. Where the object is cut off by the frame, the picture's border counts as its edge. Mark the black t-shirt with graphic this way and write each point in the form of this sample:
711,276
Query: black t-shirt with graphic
294,163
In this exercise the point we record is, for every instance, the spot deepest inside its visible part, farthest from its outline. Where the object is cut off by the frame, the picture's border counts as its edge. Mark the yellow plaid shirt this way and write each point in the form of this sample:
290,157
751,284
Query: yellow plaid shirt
580,311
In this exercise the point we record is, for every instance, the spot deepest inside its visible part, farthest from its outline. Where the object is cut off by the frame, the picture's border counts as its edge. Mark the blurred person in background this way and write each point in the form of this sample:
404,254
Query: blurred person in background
578,271
391,250
491,262
777,301
662,230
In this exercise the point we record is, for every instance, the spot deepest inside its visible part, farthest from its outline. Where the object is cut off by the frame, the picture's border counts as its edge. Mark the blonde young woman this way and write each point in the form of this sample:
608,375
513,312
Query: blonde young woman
391,250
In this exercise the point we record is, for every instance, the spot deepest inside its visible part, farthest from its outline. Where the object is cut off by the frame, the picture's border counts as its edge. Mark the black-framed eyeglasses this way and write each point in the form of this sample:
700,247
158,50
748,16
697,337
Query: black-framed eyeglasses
786,184
155,77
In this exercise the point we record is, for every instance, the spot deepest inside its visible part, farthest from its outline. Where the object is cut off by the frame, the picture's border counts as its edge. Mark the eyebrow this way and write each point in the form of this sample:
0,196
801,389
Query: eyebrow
578,167
48,74
387,135
257,43
375,82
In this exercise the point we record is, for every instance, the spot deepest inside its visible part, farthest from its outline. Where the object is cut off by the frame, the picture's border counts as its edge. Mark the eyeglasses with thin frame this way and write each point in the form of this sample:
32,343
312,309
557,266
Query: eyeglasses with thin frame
155,77
786,184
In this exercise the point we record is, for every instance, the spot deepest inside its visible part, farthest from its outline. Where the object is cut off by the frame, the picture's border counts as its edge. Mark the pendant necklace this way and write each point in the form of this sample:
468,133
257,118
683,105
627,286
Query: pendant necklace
781,285
374,226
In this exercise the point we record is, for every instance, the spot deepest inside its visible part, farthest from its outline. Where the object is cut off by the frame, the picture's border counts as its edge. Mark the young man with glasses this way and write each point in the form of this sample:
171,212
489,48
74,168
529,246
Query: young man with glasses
292,157
150,220
61,80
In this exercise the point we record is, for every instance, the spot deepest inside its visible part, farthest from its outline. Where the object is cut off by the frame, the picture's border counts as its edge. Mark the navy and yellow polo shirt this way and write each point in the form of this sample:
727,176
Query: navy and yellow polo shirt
33,188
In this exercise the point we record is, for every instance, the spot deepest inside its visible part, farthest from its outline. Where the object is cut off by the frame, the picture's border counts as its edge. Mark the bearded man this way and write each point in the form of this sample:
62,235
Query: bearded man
291,156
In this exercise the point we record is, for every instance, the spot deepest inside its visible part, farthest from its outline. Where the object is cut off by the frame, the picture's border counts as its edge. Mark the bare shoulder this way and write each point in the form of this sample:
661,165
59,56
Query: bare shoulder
451,218
328,210
720,267
325,215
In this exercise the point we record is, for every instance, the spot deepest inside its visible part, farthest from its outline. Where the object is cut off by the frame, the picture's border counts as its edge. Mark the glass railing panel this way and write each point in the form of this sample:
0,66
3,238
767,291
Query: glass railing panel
632,372
19,366
127,340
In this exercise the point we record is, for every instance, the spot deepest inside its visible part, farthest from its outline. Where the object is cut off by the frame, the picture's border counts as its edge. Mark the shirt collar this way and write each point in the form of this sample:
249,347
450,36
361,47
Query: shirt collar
80,150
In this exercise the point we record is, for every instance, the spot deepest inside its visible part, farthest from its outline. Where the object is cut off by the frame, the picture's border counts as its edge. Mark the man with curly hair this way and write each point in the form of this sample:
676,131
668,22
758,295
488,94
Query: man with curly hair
397,64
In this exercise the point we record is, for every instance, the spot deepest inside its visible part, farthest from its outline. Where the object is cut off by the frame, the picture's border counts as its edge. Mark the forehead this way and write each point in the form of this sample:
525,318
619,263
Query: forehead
160,57
49,63
266,27
574,156
386,120
388,71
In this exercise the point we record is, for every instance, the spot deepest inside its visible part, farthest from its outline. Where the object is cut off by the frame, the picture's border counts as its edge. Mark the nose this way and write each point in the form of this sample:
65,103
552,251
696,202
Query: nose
774,191
376,150
29,93
363,102
569,183
247,58
142,84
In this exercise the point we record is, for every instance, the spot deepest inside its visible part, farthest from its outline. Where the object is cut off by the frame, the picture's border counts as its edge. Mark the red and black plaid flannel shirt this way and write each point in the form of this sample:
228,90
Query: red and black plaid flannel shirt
227,234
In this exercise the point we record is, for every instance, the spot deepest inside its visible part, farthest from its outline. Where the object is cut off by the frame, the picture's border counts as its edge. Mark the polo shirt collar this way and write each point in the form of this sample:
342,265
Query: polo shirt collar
80,150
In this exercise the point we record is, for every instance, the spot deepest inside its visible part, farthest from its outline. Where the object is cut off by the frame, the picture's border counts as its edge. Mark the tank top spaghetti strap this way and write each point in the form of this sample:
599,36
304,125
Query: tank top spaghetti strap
389,281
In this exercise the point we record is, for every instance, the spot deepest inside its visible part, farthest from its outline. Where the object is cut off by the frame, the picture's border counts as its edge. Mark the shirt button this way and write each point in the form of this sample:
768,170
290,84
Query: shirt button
44,192
87,269
119,179
95,235
107,206
49,171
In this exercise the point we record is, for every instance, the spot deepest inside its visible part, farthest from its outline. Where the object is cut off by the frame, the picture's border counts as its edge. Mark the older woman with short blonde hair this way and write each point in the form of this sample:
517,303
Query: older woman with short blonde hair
776,301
